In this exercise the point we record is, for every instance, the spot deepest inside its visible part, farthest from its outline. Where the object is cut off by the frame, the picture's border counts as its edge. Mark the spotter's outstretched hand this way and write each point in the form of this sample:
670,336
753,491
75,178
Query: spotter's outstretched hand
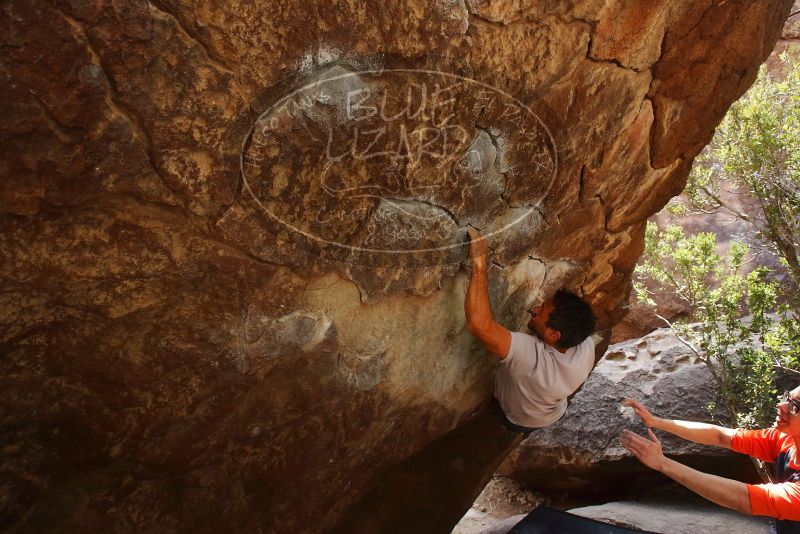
648,451
648,419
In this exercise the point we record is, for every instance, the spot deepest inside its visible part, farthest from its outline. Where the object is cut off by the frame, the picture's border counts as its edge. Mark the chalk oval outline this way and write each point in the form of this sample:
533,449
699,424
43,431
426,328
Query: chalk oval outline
356,248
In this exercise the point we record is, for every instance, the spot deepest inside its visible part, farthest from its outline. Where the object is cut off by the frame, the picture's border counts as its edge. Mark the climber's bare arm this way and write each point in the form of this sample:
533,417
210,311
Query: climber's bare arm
702,433
476,306
723,491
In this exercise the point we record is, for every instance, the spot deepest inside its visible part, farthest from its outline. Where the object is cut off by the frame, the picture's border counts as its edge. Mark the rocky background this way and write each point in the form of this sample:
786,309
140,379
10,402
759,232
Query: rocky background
578,464
212,322
581,454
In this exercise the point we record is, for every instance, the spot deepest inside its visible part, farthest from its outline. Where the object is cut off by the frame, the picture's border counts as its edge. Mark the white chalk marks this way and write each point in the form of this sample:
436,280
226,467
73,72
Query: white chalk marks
395,161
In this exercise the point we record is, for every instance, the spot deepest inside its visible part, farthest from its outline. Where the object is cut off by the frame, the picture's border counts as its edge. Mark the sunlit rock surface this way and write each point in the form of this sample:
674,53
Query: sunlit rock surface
232,290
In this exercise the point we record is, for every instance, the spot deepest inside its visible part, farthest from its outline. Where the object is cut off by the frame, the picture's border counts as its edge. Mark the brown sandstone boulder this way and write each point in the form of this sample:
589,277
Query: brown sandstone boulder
791,30
212,322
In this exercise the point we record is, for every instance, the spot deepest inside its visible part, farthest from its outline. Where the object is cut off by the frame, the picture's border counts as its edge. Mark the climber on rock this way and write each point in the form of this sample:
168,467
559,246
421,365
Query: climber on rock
537,372
777,444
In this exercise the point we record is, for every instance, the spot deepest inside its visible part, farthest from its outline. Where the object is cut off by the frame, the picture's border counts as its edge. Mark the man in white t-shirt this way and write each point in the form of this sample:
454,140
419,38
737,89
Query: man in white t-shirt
538,372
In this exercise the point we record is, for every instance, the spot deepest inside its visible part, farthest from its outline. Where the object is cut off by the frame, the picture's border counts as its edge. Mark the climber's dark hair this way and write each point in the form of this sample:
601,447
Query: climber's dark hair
572,317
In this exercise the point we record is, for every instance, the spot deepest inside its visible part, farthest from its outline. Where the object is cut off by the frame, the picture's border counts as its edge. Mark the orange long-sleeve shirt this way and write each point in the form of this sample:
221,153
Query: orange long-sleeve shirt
780,500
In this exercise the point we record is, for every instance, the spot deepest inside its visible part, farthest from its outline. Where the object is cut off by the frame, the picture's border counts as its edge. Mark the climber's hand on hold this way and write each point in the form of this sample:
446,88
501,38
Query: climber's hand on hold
478,248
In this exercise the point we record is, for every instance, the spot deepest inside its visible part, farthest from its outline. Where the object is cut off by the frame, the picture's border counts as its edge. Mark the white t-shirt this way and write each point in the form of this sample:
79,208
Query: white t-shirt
534,380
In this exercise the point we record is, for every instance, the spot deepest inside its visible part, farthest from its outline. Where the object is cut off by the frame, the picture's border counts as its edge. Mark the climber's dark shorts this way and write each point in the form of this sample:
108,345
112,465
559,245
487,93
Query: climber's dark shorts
495,406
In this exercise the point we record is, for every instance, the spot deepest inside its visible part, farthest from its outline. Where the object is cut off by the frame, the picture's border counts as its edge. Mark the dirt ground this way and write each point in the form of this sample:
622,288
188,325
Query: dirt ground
502,498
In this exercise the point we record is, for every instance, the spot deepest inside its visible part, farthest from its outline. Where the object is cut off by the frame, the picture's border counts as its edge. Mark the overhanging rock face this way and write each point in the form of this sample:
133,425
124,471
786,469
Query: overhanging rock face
232,233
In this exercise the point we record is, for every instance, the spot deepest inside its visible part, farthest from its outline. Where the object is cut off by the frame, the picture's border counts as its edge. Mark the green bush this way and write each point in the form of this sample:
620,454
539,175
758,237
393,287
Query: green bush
756,149
746,324
737,327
